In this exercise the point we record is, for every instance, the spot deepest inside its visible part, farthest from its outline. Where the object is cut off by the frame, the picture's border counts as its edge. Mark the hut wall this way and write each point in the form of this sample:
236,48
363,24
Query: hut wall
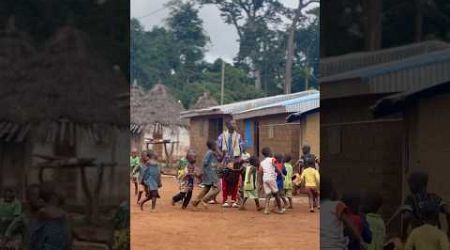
204,128
12,164
310,132
279,136
350,144
428,141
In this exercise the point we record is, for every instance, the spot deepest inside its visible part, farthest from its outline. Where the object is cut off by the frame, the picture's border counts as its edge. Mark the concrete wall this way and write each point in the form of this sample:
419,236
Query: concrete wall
310,134
360,153
428,125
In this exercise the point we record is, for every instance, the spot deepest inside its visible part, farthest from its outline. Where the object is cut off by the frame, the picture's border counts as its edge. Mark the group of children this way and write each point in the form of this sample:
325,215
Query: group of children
353,221
274,176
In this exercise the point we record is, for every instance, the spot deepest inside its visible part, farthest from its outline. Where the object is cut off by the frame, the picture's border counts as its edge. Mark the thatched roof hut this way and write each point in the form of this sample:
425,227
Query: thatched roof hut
65,86
205,101
156,106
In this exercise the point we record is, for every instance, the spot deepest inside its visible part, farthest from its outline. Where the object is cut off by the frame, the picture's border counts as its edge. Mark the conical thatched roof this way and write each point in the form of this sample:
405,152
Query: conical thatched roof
157,106
205,101
67,80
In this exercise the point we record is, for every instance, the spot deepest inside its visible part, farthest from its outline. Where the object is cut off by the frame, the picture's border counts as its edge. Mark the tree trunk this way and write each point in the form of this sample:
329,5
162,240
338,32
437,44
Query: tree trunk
257,73
419,21
372,24
291,50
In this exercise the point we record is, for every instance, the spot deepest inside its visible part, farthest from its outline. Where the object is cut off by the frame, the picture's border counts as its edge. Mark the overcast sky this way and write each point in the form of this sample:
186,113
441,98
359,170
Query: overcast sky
223,36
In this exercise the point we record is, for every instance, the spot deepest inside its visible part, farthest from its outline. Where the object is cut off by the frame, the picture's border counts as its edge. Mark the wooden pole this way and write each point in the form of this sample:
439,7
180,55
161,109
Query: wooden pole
222,85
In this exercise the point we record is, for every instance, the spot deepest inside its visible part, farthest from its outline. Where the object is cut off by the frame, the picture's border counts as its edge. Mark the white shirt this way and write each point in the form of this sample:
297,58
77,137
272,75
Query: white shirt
268,169
331,226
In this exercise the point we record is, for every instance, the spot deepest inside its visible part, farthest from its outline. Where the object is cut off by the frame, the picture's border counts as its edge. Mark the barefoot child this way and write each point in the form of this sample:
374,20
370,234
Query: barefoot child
288,185
134,162
210,179
268,180
250,183
187,181
281,173
151,178
311,179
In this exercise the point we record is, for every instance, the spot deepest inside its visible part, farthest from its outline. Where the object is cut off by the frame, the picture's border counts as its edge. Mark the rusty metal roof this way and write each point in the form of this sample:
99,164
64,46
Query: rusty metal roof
237,107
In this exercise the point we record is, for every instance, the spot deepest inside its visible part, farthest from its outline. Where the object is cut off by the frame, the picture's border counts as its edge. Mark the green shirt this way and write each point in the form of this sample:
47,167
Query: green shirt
288,178
134,161
10,209
378,229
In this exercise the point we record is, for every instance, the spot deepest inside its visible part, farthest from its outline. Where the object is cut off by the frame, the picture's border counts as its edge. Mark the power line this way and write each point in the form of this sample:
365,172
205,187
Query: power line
151,13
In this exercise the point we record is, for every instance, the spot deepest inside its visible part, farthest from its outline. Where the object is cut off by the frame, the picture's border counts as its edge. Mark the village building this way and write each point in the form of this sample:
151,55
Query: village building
426,122
350,134
266,126
256,127
64,136
156,124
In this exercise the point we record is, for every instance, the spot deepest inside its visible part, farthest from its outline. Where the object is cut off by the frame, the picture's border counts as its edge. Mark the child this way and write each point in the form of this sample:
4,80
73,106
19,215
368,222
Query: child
334,218
352,201
210,179
288,185
419,197
134,162
371,205
151,179
138,173
278,162
187,181
428,236
250,183
245,158
311,179
307,157
10,208
268,179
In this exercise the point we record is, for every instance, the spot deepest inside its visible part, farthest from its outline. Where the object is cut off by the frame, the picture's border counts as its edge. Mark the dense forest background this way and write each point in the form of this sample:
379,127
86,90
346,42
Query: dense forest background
174,54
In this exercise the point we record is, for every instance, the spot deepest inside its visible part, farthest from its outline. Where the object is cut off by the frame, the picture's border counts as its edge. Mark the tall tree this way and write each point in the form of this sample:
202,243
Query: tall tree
250,18
290,50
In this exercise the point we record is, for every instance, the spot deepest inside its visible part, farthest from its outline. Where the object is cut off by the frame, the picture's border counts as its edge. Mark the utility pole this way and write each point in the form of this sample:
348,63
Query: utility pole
222,83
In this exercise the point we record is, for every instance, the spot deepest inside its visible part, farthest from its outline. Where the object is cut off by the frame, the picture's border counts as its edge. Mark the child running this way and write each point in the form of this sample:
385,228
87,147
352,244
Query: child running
268,179
250,183
334,218
187,181
371,205
210,179
288,185
428,236
134,162
278,162
151,178
311,179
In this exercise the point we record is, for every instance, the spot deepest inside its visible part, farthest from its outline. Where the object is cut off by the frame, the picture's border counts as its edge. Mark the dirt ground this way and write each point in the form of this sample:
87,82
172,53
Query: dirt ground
169,227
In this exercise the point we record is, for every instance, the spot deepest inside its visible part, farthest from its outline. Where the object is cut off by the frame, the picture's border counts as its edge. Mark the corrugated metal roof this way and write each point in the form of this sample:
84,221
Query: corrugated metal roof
300,104
396,103
403,75
243,105
344,63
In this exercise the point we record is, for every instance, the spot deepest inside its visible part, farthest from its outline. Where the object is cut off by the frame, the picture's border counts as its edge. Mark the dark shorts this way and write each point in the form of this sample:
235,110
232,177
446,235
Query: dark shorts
153,193
312,190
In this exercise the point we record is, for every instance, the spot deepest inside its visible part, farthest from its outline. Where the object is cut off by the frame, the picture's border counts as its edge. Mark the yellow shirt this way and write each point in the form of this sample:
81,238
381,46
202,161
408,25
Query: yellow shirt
427,237
310,177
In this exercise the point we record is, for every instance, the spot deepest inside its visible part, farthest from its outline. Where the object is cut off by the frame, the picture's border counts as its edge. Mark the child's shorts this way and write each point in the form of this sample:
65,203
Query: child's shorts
288,193
251,194
270,187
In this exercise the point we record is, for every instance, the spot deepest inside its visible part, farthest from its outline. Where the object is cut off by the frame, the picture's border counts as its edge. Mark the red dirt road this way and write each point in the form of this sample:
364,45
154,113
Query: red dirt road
170,227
